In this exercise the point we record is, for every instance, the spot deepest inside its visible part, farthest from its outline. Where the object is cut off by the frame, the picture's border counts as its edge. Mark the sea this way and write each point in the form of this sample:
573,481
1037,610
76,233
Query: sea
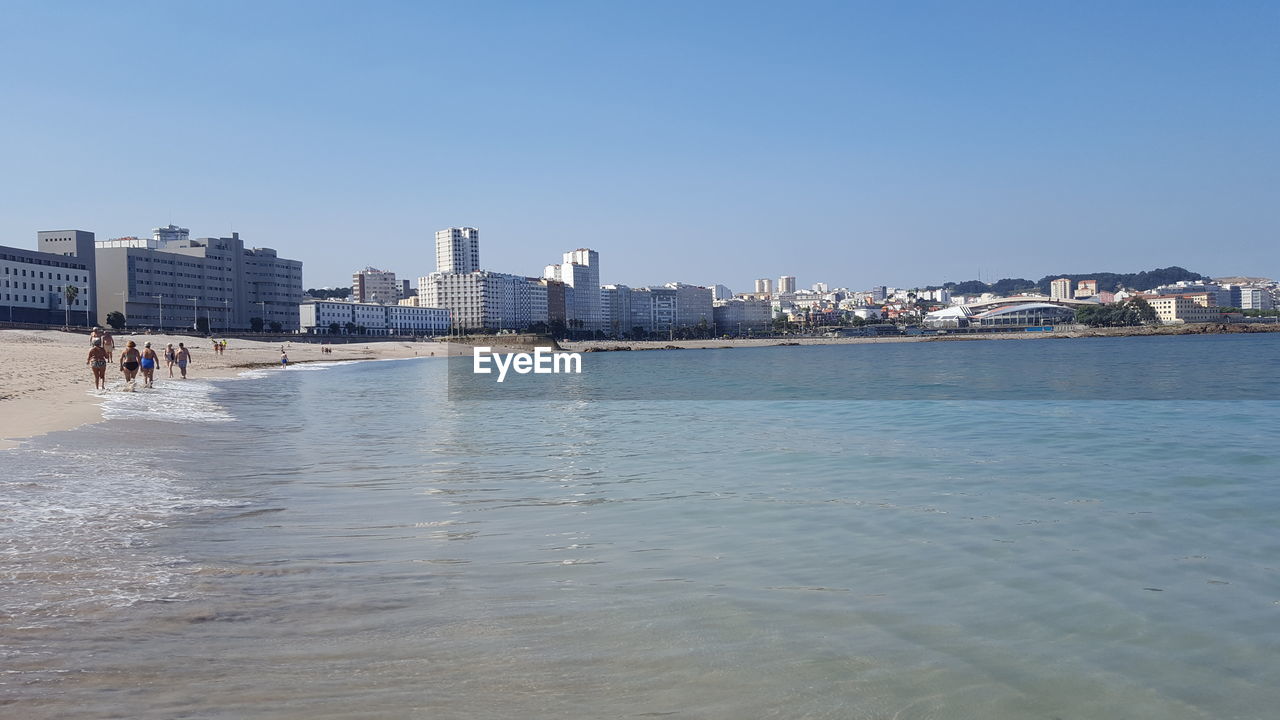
1050,529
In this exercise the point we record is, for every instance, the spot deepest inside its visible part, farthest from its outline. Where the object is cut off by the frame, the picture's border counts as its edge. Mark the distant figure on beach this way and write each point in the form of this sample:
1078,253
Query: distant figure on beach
108,343
98,363
183,357
170,357
150,361
129,361
284,359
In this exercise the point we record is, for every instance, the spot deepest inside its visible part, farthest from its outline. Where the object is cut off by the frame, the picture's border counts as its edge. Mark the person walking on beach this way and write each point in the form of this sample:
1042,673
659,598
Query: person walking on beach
182,358
130,359
98,363
170,357
150,361
108,344
284,359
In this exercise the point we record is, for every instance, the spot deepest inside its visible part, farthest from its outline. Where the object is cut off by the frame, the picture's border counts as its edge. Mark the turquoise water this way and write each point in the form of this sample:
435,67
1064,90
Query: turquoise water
348,542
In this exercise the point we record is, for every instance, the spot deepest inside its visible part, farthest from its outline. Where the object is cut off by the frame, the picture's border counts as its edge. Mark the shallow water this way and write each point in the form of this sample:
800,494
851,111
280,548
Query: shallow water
348,542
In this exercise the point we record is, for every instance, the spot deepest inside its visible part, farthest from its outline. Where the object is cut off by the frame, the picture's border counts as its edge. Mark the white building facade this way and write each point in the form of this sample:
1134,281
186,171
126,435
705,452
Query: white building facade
581,271
33,284
739,316
485,300
457,250
372,285
332,317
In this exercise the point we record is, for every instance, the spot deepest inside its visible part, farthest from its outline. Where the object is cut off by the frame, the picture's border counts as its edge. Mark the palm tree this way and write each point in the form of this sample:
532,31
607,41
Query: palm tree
71,292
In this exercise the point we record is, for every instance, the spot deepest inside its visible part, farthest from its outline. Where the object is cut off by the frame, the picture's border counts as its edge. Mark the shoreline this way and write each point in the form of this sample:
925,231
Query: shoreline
45,387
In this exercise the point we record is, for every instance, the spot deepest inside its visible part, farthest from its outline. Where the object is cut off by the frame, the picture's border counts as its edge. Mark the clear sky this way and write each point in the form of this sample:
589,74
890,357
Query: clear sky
897,143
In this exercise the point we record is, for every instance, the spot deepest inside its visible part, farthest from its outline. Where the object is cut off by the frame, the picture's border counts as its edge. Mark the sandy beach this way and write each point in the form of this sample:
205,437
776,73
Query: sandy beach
46,386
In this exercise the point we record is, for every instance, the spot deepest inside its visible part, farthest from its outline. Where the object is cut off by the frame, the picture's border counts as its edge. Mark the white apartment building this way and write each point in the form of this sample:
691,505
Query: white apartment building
786,284
738,316
332,317
457,250
33,284
372,285
581,271
488,300
1255,298
1060,289
657,309
764,286
615,309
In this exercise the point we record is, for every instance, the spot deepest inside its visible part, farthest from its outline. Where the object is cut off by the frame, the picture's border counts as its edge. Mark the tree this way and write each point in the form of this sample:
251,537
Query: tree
350,327
334,328
70,292
276,326
637,332
116,319
255,324
202,325
1145,313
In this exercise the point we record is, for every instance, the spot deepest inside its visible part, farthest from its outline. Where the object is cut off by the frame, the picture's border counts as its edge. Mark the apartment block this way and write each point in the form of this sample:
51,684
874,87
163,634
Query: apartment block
174,282
33,283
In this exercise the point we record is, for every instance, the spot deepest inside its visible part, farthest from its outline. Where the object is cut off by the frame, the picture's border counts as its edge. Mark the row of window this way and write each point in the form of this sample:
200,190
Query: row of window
34,273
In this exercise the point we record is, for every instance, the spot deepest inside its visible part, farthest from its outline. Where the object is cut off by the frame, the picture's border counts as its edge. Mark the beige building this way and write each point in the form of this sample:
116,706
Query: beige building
1176,309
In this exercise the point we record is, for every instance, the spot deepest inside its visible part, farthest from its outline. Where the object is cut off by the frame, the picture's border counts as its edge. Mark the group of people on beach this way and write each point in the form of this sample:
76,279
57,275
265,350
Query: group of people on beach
132,360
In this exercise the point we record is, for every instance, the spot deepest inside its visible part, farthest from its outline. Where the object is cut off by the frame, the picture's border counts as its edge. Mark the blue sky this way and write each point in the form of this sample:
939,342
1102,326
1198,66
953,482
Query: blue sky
895,143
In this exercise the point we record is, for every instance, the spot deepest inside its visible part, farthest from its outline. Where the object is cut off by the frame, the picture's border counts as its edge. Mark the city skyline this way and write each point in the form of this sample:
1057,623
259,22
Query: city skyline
850,145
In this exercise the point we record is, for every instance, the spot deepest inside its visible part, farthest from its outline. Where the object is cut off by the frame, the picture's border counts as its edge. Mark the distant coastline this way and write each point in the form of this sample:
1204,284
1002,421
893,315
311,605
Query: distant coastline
725,343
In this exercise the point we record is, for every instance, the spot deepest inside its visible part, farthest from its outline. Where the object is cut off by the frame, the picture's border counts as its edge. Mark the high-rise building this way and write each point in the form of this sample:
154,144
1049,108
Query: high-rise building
372,285
1060,289
764,286
721,292
178,283
786,284
581,271
457,250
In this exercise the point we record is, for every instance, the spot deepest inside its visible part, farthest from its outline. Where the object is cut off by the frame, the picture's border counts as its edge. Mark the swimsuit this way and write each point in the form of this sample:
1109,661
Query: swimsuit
148,363
99,363
130,365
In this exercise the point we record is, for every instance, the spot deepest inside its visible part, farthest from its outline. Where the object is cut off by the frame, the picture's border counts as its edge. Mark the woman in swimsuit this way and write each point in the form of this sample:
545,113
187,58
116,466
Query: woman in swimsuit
129,361
98,361
170,357
150,361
